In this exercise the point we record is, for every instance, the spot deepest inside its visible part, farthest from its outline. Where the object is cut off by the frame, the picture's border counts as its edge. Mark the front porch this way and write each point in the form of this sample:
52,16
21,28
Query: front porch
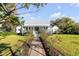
31,27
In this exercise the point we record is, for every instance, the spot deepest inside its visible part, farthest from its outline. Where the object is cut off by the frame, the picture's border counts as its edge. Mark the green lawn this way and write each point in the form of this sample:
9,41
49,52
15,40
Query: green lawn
14,41
67,44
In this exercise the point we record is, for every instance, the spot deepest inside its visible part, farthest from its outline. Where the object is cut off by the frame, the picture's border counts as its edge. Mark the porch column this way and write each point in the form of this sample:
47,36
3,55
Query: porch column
33,27
28,28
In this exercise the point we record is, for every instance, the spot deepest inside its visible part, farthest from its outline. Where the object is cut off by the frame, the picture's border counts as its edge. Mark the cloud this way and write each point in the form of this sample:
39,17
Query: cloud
24,15
32,18
76,19
58,7
57,15
76,5
36,20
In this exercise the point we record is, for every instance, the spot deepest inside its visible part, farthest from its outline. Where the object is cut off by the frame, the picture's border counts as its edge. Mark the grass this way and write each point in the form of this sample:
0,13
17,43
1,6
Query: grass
67,44
14,41
6,33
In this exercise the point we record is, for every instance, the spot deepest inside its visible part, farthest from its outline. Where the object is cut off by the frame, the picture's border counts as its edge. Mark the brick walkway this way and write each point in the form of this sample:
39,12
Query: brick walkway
36,48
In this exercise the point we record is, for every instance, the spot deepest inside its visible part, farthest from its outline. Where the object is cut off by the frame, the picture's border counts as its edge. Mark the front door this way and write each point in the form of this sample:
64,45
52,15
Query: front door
37,28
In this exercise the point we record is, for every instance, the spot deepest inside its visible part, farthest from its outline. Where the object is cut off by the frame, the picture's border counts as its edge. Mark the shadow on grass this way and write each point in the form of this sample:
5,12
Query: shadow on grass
2,38
75,42
21,41
4,46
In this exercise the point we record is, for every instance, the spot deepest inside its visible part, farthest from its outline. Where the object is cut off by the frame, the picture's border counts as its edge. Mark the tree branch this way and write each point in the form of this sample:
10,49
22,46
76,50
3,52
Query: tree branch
3,7
27,12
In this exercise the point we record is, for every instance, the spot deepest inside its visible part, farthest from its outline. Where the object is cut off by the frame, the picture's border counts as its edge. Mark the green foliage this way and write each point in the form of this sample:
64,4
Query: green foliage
66,25
37,5
76,28
14,20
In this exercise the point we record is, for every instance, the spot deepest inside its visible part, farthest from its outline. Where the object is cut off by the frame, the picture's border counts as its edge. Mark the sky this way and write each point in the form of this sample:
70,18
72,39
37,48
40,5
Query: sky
51,11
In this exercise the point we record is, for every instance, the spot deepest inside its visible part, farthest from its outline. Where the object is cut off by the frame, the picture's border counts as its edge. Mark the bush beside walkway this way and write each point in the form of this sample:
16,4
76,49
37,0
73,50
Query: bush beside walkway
49,49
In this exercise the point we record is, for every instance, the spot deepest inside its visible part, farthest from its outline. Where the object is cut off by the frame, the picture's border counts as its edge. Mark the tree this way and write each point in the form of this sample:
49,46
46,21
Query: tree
15,8
9,12
65,24
76,28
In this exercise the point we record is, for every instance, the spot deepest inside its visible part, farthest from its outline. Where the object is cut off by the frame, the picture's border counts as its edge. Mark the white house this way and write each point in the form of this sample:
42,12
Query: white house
33,24
20,29
41,25
31,27
55,28
52,30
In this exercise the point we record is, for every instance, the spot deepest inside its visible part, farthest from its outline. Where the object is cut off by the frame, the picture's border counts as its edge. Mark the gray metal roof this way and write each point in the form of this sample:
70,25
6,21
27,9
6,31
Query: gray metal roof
37,25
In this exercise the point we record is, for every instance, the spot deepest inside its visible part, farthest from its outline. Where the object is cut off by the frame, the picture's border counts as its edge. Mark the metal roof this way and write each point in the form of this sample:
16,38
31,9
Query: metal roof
37,25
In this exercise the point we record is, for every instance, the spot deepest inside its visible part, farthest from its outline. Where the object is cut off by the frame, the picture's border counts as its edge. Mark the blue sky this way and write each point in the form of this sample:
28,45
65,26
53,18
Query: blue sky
51,11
